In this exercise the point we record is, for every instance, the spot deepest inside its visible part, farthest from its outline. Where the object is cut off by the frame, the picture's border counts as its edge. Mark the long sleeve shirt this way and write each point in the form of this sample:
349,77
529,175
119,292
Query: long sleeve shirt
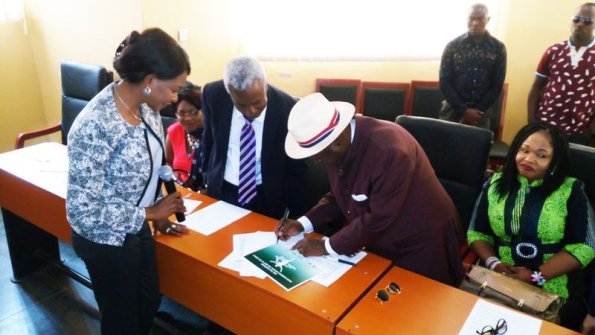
561,221
472,72
392,203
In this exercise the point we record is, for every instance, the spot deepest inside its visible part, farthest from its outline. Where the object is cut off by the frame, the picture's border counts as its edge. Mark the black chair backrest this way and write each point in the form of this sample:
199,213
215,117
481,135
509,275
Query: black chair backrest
80,83
582,166
317,179
498,115
167,121
384,103
459,155
339,93
427,101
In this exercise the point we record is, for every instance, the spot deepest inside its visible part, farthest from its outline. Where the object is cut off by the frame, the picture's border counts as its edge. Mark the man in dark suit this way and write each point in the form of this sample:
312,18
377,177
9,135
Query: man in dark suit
243,103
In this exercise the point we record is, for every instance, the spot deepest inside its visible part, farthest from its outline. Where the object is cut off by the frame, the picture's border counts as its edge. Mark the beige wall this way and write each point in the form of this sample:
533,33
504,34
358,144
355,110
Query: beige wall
20,98
89,31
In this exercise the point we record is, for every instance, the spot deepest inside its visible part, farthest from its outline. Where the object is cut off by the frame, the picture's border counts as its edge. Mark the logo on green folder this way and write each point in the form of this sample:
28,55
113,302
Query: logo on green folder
285,267
281,262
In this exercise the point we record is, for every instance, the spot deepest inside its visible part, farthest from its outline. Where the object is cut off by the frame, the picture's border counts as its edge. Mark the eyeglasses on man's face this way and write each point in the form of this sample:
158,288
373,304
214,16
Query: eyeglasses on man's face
501,328
584,19
384,294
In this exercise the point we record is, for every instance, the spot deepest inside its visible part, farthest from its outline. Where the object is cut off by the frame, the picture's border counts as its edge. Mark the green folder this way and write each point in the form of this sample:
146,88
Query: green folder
287,268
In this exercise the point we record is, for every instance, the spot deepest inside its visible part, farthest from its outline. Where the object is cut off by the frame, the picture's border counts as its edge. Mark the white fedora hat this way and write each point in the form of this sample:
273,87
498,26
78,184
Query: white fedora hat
314,123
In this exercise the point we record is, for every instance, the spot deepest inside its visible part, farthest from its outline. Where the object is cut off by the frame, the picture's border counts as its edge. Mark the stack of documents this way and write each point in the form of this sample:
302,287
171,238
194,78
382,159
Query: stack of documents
257,247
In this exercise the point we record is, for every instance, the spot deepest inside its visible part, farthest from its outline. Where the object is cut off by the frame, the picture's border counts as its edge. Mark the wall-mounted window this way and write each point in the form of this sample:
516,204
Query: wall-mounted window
350,29
11,10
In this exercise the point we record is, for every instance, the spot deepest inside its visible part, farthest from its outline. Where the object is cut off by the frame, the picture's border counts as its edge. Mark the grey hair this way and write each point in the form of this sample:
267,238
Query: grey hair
242,72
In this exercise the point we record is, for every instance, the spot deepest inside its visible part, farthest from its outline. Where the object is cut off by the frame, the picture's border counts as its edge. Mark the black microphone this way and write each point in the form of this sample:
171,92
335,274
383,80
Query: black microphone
167,175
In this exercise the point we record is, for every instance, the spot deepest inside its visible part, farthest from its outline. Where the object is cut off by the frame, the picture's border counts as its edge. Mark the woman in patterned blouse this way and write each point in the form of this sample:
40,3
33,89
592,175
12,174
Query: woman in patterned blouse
115,148
534,223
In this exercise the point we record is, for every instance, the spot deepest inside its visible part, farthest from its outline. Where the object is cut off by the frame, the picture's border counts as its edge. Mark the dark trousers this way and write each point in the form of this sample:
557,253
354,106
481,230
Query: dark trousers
229,193
124,281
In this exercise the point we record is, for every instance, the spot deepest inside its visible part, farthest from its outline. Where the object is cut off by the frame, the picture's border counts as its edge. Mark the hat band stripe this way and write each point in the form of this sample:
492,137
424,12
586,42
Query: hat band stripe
323,134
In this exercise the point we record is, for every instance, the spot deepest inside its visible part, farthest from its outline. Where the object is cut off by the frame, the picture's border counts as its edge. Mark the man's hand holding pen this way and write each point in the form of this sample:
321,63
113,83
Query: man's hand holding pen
308,246
286,229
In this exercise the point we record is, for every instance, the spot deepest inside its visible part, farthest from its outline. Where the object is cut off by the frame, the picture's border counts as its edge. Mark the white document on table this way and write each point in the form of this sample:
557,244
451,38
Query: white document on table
244,244
44,165
190,205
485,313
332,270
214,217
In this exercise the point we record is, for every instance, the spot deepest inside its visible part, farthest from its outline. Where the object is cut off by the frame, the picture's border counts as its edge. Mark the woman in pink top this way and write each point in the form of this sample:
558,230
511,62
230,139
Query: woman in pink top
183,138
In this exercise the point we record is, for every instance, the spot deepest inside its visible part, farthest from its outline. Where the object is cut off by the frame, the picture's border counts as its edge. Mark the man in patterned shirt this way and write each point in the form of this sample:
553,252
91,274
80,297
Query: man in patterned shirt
472,72
562,93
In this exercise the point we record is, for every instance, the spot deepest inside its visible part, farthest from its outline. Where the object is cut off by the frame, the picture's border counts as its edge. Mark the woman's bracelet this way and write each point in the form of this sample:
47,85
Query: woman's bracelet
491,262
537,278
494,264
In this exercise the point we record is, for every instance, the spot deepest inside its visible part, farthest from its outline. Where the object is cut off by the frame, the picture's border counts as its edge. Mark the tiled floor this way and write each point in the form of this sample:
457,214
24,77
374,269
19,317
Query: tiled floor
49,302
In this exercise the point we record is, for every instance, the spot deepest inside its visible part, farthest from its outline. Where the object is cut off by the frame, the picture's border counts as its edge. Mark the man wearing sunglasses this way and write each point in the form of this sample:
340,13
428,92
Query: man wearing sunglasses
562,93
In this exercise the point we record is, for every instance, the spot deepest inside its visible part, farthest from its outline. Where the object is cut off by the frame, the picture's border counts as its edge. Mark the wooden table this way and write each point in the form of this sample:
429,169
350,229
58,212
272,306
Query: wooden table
32,200
424,306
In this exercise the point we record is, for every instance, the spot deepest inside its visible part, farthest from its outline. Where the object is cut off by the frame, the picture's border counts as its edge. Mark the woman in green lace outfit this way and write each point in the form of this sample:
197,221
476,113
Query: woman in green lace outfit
534,223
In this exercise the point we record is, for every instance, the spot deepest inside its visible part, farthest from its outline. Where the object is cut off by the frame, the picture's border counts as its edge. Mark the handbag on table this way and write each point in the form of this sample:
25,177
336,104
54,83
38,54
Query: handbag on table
513,293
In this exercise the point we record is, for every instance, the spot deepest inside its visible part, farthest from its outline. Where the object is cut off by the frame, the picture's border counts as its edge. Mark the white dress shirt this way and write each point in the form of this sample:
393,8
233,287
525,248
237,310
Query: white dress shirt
232,166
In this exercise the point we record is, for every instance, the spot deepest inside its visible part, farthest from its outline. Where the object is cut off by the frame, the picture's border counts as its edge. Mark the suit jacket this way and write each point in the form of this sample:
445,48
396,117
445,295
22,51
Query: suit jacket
392,203
283,178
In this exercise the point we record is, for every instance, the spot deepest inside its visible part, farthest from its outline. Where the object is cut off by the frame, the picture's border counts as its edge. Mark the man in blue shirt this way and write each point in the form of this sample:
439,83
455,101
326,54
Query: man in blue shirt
472,72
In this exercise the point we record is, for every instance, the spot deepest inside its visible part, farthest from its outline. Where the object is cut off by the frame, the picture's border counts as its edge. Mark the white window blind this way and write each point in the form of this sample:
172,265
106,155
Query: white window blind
11,10
350,29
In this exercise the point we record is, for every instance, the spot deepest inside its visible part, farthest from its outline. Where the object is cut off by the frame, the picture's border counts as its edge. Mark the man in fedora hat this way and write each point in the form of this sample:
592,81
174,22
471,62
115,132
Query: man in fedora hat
245,123
382,186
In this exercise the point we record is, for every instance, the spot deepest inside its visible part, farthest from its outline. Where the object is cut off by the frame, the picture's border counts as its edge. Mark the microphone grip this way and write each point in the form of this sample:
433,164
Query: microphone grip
180,217
170,187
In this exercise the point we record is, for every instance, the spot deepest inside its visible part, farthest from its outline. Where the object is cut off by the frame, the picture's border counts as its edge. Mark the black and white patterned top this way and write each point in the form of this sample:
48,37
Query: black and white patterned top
110,169
472,72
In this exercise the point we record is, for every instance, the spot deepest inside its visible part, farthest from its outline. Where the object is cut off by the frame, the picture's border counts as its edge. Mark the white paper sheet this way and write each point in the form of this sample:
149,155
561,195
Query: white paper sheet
485,313
244,244
331,270
214,217
190,205
44,165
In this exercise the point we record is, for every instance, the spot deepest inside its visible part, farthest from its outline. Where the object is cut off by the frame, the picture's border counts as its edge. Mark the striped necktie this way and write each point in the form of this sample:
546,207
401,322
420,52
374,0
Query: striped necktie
247,184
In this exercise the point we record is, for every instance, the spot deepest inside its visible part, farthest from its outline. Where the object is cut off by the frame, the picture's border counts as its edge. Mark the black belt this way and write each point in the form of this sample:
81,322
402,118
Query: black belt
530,250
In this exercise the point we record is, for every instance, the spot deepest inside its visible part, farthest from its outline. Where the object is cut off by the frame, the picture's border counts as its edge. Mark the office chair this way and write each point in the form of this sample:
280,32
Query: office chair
318,185
499,148
167,121
80,83
582,166
425,99
348,90
459,155
384,101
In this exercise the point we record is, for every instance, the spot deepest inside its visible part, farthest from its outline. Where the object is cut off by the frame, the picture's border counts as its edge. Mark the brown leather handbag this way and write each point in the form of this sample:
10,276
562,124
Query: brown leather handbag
512,293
